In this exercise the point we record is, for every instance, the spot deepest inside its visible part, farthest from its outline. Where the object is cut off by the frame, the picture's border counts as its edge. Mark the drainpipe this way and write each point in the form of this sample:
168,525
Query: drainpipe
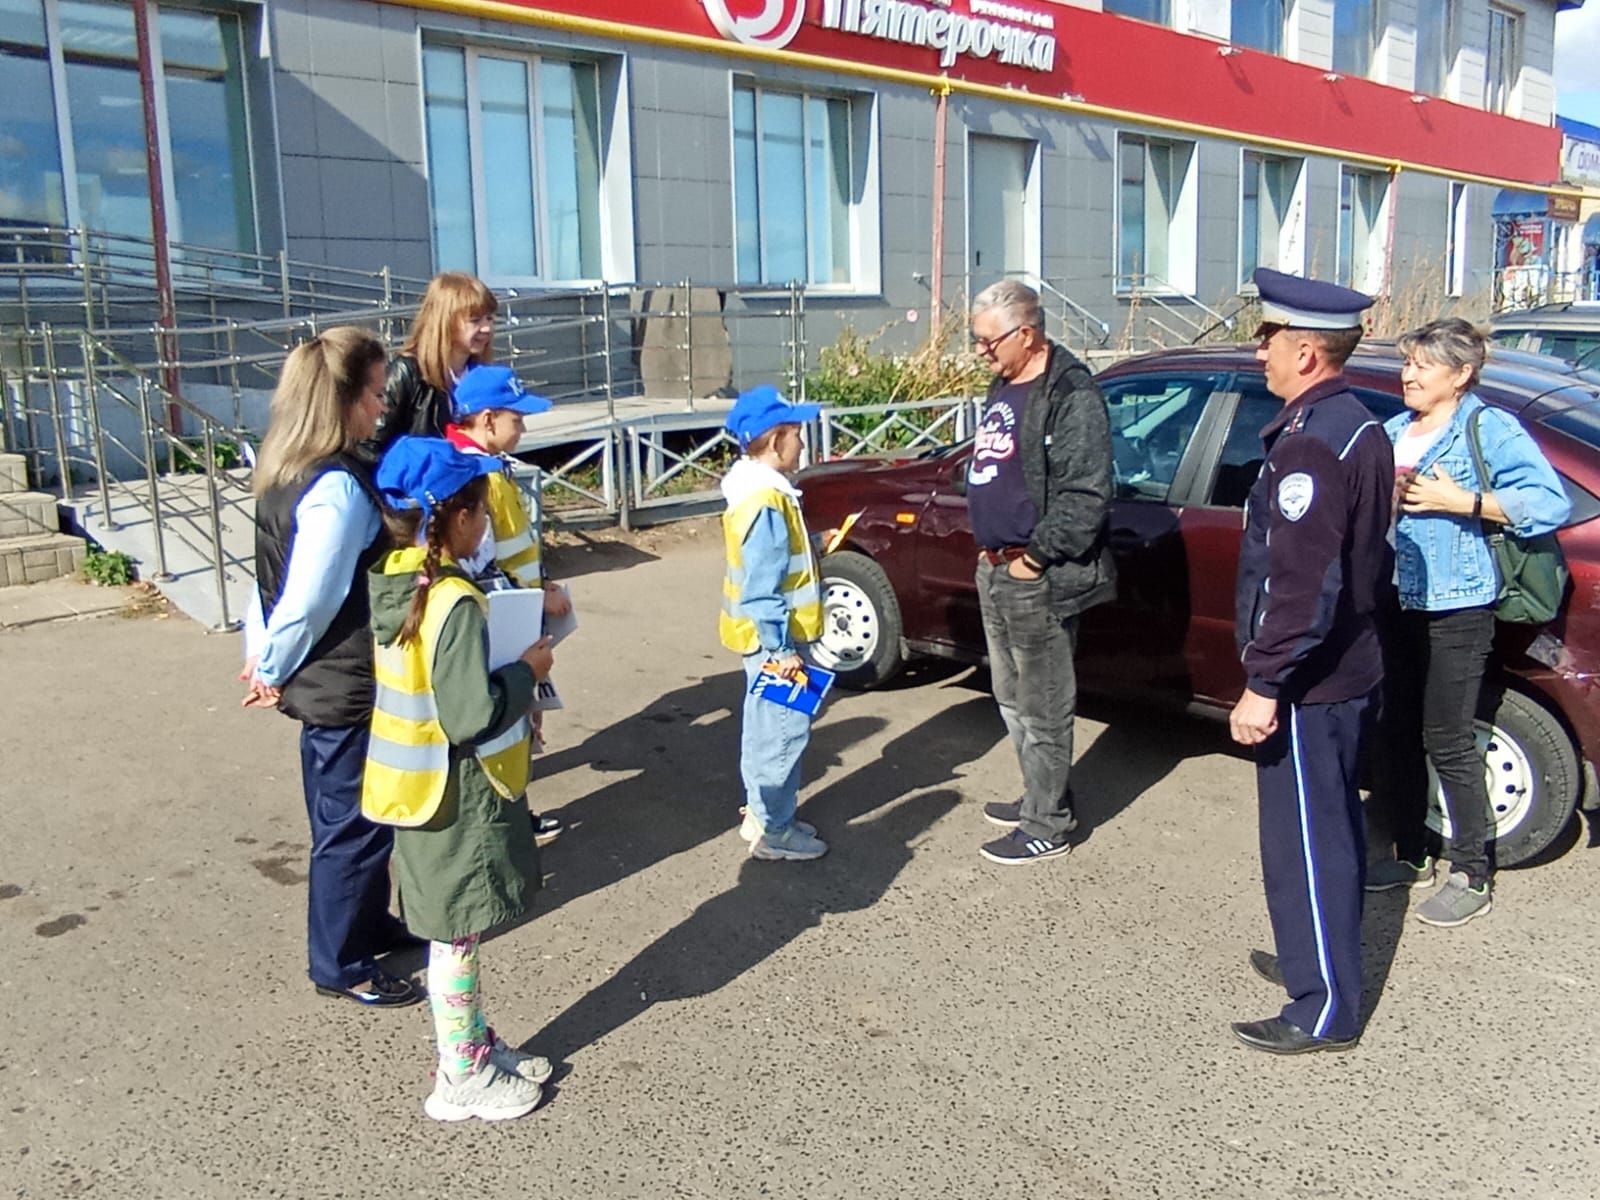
168,309
940,116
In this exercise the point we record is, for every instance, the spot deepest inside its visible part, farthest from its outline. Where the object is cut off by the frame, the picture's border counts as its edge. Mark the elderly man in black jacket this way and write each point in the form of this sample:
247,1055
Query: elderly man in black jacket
1038,490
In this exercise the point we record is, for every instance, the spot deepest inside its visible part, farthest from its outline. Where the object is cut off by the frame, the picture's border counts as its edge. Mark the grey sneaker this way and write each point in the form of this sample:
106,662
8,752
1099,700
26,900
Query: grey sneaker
1455,903
532,1067
488,1093
792,845
1398,873
750,828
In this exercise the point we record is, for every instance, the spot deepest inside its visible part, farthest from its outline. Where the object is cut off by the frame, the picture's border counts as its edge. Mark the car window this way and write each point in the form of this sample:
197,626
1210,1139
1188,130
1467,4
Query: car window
1584,425
1152,420
1242,451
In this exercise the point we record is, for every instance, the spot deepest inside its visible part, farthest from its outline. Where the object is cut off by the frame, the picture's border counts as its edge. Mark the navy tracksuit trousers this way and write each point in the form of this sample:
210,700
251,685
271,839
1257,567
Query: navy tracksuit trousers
348,901
1313,860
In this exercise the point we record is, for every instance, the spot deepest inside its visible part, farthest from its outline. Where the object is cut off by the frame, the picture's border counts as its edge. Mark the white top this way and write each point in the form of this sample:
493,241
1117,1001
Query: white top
1413,445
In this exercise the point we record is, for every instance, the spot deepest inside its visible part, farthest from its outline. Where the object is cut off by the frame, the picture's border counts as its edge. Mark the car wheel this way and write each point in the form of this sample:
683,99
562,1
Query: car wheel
1531,770
860,622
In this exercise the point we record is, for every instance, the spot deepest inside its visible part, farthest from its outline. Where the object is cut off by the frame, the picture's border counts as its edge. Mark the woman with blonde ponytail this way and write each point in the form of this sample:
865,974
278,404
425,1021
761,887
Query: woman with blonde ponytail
309,653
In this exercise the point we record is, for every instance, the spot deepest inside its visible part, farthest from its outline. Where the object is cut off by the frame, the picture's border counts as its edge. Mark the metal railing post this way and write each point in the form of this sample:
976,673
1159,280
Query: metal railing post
283,281
688,341
233,375
213,507
605,319
91,380
58,427
152,493
88,279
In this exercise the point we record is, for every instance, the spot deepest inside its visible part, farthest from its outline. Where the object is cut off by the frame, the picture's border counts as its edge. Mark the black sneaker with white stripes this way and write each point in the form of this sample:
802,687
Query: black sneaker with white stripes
1017,848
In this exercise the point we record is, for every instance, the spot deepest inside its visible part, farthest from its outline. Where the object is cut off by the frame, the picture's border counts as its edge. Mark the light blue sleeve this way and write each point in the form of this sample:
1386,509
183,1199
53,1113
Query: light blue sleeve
1521,478
334,522
766,564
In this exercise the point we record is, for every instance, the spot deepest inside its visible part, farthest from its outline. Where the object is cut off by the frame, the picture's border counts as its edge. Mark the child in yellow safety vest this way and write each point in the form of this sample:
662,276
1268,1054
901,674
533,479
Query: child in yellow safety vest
771,612
447,764
489,404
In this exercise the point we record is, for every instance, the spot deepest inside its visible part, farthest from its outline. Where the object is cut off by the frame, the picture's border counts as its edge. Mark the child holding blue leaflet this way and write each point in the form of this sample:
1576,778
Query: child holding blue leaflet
771,612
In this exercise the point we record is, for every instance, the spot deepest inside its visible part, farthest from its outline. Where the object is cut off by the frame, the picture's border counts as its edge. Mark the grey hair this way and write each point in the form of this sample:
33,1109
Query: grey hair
1447,342
1019,302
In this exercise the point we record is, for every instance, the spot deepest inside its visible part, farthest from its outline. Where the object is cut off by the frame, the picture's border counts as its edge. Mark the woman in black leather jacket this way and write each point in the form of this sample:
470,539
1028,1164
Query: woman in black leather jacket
453,330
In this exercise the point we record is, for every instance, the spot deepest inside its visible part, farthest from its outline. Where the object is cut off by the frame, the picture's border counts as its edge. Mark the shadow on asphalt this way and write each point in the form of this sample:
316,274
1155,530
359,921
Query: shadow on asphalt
871,819
593,557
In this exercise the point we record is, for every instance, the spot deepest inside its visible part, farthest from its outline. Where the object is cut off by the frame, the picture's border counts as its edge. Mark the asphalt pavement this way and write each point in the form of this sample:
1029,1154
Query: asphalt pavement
899,1019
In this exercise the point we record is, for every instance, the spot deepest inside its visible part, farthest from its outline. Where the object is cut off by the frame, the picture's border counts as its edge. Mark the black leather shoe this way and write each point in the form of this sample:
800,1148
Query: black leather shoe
394,937
1279,1036
1266,965
383,990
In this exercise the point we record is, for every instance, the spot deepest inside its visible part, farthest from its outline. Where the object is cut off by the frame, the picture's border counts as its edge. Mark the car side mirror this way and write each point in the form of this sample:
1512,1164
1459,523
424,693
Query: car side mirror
958,479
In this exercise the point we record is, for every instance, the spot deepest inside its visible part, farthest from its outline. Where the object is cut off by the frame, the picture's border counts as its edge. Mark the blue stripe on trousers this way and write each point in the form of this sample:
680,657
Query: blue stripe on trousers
1313,860
348,895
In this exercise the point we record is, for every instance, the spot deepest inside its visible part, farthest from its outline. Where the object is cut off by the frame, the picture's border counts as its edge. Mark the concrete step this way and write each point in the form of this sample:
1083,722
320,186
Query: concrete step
38,557
24,514
13,474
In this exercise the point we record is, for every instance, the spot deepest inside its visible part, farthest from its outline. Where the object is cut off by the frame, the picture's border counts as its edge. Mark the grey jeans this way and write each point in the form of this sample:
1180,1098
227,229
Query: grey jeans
1036,686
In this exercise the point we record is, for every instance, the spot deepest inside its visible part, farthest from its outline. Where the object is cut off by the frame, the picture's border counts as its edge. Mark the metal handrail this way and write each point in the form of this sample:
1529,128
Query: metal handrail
1084,315
1162,293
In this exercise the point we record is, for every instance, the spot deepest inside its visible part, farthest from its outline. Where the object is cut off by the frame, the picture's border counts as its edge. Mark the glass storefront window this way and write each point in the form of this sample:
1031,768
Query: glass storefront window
32,188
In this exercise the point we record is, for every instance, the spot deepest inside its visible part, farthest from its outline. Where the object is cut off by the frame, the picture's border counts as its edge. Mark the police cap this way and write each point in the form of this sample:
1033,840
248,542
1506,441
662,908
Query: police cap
1299,303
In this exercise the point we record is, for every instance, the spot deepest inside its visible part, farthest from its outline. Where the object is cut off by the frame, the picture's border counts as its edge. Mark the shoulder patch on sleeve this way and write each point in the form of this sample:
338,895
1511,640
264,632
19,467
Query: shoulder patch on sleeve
1295,493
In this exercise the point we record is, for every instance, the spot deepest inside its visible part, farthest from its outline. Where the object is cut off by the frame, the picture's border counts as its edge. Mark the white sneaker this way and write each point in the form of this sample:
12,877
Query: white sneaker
750,828
792,845
532,1067
488,1093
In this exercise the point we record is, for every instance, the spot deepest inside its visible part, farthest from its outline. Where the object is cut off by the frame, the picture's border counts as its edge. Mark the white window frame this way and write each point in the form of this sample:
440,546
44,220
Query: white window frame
1372,279
1183,224
865,208
72,204
1456,238
1503,101
606,203
1291,256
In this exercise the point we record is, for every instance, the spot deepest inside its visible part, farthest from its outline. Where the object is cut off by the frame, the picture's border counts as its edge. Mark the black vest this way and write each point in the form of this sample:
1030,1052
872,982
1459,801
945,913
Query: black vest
334,685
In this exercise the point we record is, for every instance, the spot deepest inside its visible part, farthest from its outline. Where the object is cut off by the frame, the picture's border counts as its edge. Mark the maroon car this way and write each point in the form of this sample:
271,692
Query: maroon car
1186,442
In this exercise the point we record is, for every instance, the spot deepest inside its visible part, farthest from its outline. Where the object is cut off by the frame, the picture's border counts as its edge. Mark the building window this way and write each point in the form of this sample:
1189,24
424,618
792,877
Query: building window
513,164
1362,199
1271,215
1354,36
796,192
1435,52
1156,225
86,165
1455,245
1258,24
1502,60
1158,11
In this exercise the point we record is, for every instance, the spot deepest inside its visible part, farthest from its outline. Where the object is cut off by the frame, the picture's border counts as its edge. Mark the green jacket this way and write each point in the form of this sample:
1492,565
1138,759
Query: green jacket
475,865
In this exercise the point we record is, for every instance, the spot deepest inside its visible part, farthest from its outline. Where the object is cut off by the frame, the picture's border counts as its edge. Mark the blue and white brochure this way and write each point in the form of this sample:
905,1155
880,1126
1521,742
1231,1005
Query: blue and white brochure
803,693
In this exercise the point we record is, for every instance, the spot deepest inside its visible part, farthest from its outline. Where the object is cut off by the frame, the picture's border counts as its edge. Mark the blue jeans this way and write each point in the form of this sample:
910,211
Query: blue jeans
770,746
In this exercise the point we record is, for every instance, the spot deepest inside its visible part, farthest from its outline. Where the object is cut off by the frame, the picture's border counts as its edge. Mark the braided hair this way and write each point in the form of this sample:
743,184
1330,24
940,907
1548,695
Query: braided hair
405,526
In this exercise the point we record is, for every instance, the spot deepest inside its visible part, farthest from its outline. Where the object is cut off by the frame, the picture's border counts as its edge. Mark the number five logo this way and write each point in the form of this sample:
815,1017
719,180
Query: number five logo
773,24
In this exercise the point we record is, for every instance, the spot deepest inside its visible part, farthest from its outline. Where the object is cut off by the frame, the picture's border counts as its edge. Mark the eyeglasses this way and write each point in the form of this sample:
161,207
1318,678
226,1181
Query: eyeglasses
988,345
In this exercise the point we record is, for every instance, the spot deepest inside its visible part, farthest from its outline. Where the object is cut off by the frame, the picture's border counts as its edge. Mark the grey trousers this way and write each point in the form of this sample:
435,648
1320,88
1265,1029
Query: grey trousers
1036,686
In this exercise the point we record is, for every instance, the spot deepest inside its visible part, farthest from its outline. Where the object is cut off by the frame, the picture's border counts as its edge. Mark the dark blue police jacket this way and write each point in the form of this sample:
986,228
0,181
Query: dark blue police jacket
1316,560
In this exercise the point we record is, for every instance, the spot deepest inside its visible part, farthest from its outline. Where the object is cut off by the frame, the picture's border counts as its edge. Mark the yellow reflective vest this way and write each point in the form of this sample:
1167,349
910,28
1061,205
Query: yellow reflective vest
408,755
516,548
801,591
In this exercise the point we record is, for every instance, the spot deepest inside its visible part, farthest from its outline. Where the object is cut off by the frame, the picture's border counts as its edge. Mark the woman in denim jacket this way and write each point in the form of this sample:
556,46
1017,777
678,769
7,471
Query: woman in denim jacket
1445,573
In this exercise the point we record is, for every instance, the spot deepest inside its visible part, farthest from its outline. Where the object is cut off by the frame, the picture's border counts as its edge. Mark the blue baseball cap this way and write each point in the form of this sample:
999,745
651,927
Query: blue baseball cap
1308,303
483,388
763,408
424,472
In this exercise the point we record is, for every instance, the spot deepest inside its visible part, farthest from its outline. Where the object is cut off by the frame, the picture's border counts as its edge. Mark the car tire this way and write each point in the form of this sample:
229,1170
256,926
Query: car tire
1532,771
861,627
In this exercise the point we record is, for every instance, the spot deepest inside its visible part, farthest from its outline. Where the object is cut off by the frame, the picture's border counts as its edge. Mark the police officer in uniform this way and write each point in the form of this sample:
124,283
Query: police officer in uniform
1314,563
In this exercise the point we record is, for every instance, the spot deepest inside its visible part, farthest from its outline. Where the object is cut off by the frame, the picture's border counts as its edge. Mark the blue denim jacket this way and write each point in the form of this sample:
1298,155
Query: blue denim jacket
1442,561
